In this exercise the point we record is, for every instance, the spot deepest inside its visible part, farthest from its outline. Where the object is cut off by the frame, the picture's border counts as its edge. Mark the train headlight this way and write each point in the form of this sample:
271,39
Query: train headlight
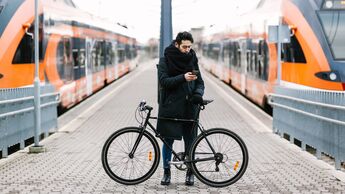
332,76
329,4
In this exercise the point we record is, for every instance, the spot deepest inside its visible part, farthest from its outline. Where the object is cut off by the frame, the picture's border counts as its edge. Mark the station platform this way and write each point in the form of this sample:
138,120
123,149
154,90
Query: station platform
72,161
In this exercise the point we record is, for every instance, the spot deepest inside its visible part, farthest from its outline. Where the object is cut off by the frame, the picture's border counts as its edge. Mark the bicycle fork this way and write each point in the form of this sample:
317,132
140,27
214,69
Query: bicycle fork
142,130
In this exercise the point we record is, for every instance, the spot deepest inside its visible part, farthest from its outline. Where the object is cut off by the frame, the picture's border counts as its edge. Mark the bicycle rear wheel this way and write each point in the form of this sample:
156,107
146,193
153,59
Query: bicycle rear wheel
126,169
232,154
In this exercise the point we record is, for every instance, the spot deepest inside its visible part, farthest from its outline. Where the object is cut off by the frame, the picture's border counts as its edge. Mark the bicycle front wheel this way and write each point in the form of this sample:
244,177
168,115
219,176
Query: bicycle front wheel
229,161
130,169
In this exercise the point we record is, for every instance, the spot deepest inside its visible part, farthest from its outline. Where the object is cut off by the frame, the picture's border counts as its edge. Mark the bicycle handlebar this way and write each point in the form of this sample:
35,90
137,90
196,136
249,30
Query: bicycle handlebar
143,106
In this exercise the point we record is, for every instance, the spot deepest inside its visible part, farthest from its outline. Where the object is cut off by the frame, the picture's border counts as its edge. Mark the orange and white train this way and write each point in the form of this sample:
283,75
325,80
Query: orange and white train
78,53
241,55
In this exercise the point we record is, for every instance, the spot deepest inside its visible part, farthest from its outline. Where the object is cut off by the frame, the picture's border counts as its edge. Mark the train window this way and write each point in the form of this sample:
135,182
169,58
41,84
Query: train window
109,54
134,51
222,53
102,54
259,68
237,55
209,51
332,24
25,52
114,53
263,60
79,56
98,56
292,52
3,3
255,60
121,52
239,59
208,54
215,51
230,54
227,54
64,60
249,55
233,54
128,52
93,56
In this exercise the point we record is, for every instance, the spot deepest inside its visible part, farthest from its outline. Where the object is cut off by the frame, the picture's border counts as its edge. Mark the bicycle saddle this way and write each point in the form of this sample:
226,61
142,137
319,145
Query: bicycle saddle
205,102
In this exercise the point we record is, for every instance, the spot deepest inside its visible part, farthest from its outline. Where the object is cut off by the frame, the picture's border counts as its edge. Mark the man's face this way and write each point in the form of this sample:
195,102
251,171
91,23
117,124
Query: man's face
185,46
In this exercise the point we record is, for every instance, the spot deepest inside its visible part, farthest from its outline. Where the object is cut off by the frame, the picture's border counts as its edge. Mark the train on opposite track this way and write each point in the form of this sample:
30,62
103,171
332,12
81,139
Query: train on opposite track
78,52
242,56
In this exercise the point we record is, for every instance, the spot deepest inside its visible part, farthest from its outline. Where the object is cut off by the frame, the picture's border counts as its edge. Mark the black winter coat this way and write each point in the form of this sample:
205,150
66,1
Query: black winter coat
175,100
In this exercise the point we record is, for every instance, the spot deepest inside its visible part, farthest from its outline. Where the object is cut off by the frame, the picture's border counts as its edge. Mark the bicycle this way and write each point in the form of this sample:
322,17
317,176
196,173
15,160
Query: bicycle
131,155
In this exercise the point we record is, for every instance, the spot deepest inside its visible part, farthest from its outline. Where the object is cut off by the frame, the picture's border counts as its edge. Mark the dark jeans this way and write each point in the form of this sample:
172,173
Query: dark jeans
188,138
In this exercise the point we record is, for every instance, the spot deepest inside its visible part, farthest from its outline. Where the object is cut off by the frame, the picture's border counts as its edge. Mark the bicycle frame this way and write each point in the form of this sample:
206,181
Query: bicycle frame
196,123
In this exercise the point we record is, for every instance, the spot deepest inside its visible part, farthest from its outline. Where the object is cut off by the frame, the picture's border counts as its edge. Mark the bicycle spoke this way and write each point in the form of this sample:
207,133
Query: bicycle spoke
130,168
231,156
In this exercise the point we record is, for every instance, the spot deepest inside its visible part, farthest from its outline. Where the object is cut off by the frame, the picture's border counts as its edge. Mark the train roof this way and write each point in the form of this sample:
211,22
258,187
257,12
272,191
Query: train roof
267,11
67,11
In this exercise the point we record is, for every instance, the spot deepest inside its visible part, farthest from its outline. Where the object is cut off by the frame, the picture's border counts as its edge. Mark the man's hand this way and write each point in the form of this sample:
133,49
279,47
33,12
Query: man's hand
190,77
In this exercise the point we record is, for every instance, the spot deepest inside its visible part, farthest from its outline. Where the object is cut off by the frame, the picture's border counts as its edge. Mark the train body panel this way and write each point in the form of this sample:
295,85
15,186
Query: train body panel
315,58
79,53
310,60
15,75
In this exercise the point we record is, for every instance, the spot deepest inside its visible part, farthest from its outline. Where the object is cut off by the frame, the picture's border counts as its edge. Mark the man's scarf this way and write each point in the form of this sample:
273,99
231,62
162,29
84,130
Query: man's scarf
178,62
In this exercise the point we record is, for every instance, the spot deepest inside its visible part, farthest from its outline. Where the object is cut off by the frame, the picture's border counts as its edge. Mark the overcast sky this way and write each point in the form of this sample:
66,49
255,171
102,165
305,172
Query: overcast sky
143,16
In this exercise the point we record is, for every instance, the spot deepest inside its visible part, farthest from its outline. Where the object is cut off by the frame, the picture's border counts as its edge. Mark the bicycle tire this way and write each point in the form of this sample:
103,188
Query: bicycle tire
233,150
123,169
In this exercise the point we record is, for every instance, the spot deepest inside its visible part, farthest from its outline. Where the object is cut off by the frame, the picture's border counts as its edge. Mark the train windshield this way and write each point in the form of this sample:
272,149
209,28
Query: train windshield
333,24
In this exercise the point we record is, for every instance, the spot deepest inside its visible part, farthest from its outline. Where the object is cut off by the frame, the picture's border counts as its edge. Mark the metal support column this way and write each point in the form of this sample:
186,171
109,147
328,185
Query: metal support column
166,26
37,81
165,31
37,148
279,50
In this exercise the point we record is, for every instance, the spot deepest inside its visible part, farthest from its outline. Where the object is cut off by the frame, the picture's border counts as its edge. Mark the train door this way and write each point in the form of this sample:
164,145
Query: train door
79,55
243,46
88,68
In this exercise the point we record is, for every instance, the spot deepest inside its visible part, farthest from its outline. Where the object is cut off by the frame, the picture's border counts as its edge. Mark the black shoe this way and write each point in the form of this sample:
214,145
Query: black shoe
166,177
189,178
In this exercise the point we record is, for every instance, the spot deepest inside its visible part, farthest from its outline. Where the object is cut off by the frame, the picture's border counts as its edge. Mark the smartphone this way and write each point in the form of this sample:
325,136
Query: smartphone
195,72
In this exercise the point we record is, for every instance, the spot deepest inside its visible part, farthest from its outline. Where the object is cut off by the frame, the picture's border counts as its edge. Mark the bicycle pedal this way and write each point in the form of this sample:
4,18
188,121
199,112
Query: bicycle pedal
176,162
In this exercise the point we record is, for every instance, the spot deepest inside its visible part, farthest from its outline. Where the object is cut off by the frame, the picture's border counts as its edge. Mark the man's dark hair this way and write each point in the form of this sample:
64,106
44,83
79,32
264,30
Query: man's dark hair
184,36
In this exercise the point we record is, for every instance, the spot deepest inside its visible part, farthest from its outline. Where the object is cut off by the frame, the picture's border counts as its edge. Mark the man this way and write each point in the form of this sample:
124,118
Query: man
181,88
